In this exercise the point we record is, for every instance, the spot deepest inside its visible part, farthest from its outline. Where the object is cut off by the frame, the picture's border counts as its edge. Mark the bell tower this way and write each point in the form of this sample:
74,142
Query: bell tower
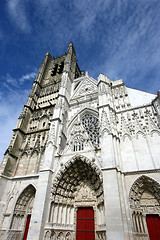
39,135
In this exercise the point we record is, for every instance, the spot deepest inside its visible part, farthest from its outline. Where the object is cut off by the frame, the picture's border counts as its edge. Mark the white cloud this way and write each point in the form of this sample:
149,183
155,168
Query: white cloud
10,82
18,15
29,76
133,47
11,107
12,101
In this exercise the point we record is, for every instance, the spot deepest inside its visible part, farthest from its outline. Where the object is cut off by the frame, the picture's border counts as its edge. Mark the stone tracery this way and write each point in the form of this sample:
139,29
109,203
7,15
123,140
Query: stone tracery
90,123
73,174
78,183
23,207
78,143
144,199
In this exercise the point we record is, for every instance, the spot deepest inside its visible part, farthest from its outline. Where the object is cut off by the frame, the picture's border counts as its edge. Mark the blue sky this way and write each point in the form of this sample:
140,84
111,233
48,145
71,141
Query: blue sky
120,38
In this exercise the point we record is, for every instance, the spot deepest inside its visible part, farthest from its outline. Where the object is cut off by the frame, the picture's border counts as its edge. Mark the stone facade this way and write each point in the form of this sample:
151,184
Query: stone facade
81,143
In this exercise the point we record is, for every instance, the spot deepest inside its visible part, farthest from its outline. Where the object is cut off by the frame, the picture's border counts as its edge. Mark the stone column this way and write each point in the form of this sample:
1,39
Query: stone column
40,208
113,214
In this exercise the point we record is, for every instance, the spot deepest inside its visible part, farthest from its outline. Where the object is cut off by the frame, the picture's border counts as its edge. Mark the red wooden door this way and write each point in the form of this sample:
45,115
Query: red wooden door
27,227
85,224
153,225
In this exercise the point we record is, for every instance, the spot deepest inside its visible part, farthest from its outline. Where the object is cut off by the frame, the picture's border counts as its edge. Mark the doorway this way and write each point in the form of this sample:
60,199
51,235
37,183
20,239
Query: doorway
85,224
153,225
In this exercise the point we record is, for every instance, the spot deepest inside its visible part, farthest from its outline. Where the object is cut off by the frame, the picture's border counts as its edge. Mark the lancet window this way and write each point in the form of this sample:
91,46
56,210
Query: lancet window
90,123
78,143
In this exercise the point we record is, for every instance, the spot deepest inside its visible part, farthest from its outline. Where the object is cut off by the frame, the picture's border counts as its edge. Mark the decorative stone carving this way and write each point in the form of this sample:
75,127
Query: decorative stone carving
144,199
78,143
78,183
105,123
86,87
85,193
91,125
140,185
73,174
79,139
23,206
139,120
51,137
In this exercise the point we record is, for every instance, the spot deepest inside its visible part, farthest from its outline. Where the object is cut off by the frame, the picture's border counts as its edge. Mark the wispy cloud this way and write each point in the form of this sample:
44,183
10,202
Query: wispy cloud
119,38
9,81
18,15
13,95
11,107
133,44
27,77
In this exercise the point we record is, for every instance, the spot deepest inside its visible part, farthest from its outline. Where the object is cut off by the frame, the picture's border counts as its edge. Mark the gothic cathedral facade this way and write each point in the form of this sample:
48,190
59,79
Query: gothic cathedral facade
84,159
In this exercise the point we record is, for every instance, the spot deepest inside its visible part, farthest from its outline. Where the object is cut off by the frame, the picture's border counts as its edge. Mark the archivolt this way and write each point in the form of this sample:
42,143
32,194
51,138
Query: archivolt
142,184
24,198
79,169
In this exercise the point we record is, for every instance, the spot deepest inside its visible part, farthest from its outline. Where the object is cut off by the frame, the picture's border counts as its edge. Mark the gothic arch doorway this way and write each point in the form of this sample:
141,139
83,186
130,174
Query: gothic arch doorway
145,207
78,185
22,215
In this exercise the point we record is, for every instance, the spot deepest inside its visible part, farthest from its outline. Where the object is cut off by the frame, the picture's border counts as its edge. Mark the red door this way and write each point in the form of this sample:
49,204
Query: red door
85,224
153,225
27,227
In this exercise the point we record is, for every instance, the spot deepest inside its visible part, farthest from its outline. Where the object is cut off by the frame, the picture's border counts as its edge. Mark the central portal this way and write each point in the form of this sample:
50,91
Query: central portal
85,224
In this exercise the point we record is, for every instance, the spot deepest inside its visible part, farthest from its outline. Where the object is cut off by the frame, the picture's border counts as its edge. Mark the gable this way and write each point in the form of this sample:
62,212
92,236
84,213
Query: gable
87,86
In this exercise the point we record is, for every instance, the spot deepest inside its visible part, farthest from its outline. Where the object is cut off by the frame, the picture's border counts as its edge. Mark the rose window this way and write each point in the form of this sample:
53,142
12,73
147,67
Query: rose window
90,123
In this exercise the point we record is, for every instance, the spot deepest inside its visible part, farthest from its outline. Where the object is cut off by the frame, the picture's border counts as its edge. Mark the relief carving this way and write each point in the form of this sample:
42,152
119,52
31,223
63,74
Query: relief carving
144,199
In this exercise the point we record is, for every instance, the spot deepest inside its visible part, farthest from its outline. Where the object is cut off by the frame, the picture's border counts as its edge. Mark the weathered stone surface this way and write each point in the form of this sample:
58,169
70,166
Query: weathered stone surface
81,143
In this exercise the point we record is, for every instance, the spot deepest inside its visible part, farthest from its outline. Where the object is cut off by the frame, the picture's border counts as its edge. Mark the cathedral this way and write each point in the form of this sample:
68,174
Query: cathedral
83,162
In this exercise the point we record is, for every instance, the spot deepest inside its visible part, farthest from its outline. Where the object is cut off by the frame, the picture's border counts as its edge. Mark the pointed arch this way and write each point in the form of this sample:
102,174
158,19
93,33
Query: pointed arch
24,198
144,200
68,236
60,236
142,184
126,136
47,235
105,130
23,207
76,170
88,120
155,132
140,133
34,151
80,113
77,184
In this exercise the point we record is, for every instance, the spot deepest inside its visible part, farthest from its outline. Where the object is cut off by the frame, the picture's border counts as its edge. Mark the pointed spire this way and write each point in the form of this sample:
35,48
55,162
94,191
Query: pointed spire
71,48
42,67
48,54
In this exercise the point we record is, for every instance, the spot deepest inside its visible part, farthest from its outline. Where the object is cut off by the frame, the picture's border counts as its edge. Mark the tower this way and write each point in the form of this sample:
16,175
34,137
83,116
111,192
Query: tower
83,161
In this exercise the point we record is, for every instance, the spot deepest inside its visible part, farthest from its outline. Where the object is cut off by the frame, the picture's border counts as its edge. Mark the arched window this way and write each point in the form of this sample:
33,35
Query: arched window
90,123
78,144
